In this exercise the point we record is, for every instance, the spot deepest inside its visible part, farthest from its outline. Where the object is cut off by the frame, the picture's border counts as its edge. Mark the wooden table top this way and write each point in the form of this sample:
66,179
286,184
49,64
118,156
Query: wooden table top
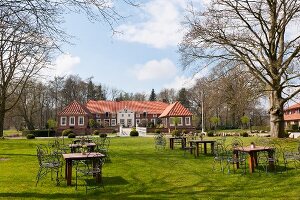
80,156
79,145
203,141
253,149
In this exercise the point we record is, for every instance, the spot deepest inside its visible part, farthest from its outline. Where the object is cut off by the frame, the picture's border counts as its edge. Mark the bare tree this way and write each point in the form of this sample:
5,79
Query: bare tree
255,34
30,31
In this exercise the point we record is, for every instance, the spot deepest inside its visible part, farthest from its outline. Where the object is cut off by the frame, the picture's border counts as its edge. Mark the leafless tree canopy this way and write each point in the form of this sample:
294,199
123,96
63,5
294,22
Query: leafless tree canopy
258,34
30,32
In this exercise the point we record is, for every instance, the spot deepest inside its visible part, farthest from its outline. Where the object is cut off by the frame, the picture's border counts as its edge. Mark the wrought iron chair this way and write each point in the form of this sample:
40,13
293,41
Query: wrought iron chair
266,160
187,146
89,172
235,157
220,155
102,146
160,142
48,162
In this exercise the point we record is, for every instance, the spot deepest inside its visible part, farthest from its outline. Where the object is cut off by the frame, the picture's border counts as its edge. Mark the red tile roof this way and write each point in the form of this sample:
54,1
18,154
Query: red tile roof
74,108
292,117
297,105
151,107
176,109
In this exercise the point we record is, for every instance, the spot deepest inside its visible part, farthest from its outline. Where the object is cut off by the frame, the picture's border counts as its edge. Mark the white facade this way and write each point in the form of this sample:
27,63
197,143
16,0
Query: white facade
126,117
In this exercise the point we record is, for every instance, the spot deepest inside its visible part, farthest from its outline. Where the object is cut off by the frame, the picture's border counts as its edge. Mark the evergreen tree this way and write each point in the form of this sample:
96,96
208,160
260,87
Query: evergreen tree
91,93
152,96
183,97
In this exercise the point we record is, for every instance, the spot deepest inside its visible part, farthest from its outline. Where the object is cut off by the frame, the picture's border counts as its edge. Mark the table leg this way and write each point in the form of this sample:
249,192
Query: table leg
205,149
191,150
171,143
212,146
271,160
251,162
69,171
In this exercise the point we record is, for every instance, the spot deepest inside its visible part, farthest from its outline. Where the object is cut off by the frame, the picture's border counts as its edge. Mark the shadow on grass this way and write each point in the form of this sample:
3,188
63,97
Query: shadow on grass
41,195
115,180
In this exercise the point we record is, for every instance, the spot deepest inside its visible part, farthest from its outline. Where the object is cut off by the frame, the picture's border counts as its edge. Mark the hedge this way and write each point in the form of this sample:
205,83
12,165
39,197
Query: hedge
39,133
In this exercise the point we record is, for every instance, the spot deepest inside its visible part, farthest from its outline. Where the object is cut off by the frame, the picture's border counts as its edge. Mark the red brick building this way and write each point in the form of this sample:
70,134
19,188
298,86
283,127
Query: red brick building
292,115
111,114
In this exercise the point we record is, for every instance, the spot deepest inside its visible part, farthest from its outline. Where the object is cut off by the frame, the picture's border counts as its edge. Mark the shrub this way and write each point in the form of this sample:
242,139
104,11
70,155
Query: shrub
114,131
245,134
39,133
96,132
103,135
157,131
184,131
134,133
210,133
175,133
30,136
66,132
71,135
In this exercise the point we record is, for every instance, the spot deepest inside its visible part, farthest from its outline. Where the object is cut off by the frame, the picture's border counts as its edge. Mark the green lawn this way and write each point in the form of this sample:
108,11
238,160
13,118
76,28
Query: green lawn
138,171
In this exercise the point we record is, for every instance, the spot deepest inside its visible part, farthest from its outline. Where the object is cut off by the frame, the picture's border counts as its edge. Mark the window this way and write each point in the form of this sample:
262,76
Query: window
113,115
145,114
63,121
179,121
98,121
128,115
154,115
107,114
137,121
113,122
122,115
106,122
129,122
153,120
187,121
80,120
97,115
138,115
122,121
72,121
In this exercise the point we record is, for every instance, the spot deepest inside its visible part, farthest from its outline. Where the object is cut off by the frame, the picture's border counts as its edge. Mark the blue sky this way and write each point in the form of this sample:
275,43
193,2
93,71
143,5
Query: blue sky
143,57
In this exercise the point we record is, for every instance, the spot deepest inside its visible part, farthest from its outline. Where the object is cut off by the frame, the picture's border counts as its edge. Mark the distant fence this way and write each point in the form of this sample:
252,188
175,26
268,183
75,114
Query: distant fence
142,131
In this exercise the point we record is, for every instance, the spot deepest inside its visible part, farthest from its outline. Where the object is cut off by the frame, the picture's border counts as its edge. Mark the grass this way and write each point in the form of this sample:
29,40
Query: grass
138,171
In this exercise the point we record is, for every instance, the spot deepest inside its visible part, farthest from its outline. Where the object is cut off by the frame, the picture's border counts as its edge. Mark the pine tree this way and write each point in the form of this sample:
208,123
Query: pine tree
183,97
152,96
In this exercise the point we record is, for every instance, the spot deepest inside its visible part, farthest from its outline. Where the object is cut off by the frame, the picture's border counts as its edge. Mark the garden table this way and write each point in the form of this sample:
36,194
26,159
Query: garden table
252,151
172,140
90,146
70,157
205,142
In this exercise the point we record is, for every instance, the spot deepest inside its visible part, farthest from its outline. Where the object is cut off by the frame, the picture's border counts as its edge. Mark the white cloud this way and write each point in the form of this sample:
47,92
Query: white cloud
154,70
161,27
184,81
65,63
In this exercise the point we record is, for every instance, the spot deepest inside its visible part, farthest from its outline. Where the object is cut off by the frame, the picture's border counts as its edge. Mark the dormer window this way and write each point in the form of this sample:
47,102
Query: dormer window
144,114
107,114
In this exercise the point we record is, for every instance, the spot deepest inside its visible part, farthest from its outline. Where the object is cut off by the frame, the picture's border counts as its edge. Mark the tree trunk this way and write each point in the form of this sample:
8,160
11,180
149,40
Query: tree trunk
2,117
276,114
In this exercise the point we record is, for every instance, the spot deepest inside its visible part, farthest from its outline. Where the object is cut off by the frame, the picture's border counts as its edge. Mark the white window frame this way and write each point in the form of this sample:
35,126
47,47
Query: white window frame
61,121
98,121
98,116
70,118
113,122
189,120
80,117
129,115
172,119
122,120
137,115
113,115
154,115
